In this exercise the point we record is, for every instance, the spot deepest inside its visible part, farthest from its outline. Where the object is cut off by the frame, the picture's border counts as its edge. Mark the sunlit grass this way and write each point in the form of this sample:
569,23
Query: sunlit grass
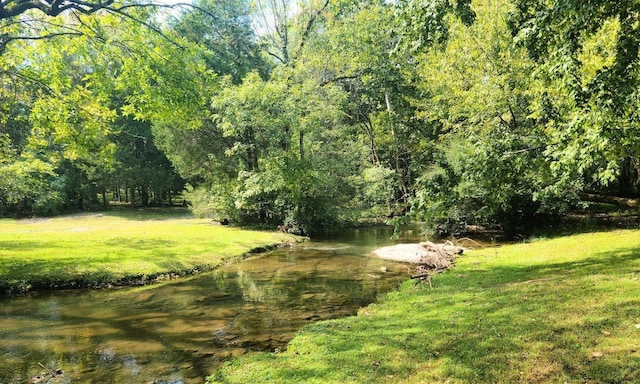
565,310
98,249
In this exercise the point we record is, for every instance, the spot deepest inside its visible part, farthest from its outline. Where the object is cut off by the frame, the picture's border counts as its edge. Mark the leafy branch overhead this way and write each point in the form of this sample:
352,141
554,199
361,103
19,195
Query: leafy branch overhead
13,8
16,26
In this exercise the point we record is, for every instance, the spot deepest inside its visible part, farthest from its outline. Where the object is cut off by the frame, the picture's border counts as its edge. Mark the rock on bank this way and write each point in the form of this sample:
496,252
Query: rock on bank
436,256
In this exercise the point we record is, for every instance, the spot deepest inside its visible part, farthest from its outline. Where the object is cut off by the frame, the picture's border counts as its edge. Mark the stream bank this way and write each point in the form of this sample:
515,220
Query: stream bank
180,331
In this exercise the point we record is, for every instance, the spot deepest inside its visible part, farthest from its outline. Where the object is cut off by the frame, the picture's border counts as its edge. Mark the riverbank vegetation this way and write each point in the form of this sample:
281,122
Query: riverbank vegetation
457,114
500,114
561,310
119,247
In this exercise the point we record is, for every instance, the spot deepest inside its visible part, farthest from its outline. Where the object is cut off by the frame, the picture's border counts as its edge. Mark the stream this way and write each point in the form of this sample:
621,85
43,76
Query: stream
180,331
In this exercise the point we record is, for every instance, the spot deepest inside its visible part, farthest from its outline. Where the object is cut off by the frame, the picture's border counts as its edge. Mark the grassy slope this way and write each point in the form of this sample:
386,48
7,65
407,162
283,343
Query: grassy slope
552,311
99,249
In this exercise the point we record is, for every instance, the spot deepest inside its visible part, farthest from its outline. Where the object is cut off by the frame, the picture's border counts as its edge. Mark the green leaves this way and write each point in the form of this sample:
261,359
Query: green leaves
421,24
587,57
77,90
280,154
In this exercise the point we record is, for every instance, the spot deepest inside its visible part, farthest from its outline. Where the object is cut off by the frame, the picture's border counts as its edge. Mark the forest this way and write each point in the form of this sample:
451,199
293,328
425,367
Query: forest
314,114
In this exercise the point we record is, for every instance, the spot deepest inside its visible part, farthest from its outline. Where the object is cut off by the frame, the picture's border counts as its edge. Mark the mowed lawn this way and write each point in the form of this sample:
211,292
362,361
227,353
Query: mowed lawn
117,247
565,310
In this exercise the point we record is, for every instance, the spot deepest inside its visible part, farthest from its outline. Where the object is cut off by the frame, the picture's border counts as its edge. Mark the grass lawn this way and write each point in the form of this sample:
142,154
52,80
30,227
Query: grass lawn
117,247
565,310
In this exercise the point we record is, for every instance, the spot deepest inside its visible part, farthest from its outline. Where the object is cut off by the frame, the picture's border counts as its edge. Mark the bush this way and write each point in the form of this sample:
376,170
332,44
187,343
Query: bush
486,183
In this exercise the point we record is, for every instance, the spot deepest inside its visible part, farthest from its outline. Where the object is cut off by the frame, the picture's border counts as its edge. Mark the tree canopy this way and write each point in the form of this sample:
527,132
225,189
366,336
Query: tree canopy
498,113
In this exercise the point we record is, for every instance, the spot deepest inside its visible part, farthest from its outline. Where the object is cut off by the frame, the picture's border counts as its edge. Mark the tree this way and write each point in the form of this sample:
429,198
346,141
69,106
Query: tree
14,8
140,167
587,58
285,32
353,50
25,177
421,24
277,160
489,166
28,20
224,30
81,90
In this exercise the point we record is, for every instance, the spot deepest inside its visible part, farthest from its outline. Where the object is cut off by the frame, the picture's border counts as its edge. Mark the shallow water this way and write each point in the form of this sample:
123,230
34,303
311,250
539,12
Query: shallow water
181,331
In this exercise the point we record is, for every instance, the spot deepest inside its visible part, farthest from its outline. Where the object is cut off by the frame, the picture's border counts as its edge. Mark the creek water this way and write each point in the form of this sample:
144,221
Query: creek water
182,330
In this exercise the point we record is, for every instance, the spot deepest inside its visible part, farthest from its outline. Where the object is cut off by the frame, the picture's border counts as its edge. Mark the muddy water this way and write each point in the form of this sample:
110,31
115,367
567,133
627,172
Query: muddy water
180,331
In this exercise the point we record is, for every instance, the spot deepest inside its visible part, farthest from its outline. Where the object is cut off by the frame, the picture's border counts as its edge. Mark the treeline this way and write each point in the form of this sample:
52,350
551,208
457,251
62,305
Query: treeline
452,113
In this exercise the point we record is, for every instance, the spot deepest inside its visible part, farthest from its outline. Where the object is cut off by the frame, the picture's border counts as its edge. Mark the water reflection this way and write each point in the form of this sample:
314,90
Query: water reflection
181,331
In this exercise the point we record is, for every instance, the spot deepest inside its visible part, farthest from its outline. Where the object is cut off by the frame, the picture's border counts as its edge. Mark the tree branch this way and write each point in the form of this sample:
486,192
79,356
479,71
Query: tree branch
276,56
309,27
7,39
148,25
511,153
13,8
337,79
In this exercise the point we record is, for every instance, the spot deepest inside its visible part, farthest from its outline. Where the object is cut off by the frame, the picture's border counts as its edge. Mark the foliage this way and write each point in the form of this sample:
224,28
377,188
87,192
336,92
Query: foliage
489,168
138,162
14,8
276,159
423,23
69,110
354,53
511,314
586,56
493,113
25,186
224,30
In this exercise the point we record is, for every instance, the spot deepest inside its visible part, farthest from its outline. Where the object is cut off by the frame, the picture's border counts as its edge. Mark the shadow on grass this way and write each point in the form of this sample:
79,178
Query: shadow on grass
621,260
545,321
98,269
140,213
139,244
555,322
21,245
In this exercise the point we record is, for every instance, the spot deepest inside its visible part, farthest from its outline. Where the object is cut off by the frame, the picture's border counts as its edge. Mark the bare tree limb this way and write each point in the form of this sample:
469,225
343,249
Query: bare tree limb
309,27
146,24
532,149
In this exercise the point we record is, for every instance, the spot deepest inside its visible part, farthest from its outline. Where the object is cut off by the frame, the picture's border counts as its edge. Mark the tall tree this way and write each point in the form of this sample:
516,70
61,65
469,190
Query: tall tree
224,29
353,50
489,167
285,27
82,86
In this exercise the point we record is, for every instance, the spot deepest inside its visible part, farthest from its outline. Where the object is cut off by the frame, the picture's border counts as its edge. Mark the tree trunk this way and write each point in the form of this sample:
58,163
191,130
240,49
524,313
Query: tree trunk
104,196
618,201
144,192
133,196
301,140
368,128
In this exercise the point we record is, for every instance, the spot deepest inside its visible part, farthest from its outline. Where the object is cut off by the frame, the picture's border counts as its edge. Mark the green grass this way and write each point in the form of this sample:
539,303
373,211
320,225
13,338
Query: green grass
117,247
565,310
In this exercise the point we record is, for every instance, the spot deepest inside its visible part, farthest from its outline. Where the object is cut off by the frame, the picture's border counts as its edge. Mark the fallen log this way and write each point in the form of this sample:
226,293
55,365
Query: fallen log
421,275
613,200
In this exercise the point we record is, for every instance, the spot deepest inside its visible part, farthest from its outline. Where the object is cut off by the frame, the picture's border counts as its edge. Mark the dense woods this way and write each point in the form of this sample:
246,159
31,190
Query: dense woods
316,113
